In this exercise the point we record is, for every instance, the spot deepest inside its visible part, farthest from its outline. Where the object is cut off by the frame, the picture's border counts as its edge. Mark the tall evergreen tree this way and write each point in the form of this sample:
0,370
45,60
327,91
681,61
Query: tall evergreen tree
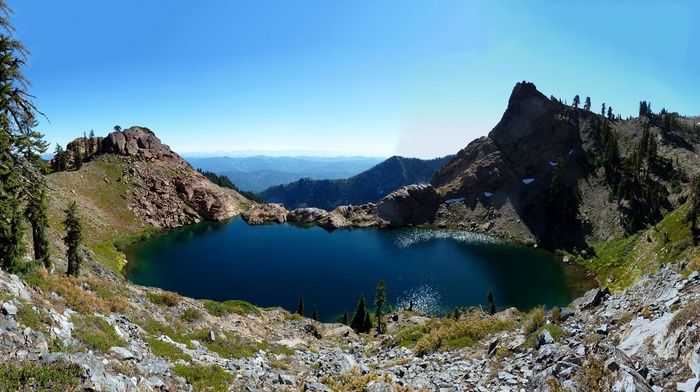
346,318
36,214
694,201
60,159
15,105
314,314
358,319
602,110
73,239
379,301
577,101
492,302
12,246
587,104
367,323
300,307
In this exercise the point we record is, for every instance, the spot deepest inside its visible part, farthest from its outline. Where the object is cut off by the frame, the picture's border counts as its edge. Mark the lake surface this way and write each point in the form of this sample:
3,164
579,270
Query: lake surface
273,265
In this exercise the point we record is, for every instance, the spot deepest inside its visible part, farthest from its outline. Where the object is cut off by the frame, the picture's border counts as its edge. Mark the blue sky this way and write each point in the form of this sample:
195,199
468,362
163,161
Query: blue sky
413,78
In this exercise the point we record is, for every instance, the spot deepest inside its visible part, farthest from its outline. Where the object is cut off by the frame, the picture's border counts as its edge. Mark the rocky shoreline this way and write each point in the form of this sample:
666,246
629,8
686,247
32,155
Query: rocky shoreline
642,339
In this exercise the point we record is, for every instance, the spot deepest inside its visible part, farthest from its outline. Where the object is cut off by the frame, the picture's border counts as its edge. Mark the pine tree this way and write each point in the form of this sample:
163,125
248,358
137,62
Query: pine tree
36,214
367,323
492,308
91,143
455,314
577,101
380,300
12,246
694,201
358,319
314,314
300,307
346,318
15,105
587,104
602,110
60,159
73,239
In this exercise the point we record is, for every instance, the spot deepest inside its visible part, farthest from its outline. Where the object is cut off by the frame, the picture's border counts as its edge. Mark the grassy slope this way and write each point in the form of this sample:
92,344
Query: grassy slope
103,201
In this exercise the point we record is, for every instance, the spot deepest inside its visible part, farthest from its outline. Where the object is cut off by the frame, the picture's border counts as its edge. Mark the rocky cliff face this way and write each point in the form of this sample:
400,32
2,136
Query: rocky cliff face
160,188
501,181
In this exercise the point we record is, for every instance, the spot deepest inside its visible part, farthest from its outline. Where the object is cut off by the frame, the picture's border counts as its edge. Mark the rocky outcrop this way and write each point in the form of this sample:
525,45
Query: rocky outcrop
409,205
167,191
306,215
139,142
265,213
352,216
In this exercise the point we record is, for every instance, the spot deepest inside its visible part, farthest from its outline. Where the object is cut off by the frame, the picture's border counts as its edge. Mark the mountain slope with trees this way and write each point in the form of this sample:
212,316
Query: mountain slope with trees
566,176
369,186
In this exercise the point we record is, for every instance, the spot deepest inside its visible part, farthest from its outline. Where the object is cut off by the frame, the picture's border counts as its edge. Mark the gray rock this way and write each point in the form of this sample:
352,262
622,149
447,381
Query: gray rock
306,215
592,298
565,313
9,309
122,352
287,380
544,337
409,205
316,386
602,330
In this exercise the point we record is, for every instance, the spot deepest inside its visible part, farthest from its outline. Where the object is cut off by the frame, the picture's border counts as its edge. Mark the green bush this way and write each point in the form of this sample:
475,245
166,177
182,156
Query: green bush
219,309
190,315
165,349
95,332
204,378
58,376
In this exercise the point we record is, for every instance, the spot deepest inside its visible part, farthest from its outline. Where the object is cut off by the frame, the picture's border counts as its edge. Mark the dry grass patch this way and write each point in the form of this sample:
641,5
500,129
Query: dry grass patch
353,380
102,297
451,334
690,313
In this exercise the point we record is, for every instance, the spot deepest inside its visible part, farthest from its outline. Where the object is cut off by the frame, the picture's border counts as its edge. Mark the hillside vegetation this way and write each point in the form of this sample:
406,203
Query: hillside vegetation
369,186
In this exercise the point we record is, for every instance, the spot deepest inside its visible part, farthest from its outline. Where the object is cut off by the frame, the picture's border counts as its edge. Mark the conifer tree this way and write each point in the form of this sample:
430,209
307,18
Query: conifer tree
300,307
73,239
12,246
346,318
314,314
455,314
577,101
60,159
489,296
15,105
587,104
36,214
367,323
358,319
380,300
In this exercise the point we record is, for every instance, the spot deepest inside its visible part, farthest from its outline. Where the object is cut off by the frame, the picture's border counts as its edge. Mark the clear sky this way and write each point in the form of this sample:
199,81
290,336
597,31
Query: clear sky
413,78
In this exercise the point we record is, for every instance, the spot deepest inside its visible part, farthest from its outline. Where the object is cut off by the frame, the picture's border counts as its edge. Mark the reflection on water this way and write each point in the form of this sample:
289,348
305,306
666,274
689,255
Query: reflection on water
272,265
425,299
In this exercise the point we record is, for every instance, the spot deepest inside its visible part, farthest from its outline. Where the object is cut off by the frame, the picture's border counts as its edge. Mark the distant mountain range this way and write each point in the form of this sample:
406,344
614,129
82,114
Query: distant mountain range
261,172
368,186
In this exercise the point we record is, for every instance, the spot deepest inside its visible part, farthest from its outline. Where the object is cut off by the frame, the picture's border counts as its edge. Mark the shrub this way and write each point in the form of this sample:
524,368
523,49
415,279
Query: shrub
165,349
689,313
190,315
219,309
58,376
95,332
448,333
167,298
204,378
534,320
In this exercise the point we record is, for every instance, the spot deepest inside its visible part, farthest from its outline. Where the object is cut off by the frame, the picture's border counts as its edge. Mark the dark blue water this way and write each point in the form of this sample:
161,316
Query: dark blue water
273,265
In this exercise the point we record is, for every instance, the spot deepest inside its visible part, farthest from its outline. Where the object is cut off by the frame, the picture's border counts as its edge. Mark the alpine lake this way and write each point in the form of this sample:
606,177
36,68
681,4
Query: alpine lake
273,265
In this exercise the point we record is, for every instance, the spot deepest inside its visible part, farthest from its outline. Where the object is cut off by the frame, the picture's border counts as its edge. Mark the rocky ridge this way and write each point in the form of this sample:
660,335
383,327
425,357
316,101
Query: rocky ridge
642,339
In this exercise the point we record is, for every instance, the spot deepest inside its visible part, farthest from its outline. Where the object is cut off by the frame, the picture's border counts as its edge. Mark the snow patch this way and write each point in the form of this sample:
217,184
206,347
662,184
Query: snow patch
553,163
528,180
488,194
454,200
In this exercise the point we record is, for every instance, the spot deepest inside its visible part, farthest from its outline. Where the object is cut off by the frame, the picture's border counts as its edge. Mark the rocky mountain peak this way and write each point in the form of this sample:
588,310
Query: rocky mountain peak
139,142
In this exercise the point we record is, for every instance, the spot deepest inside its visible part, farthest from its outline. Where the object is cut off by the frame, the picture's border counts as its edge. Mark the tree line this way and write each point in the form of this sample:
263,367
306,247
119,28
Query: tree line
225,182
23,190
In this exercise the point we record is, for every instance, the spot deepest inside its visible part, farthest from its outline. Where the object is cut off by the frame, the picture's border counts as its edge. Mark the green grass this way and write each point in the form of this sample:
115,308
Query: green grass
96,333
448,334
58,376
219,309
165,349
204,378
556,331
622,262
190,315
